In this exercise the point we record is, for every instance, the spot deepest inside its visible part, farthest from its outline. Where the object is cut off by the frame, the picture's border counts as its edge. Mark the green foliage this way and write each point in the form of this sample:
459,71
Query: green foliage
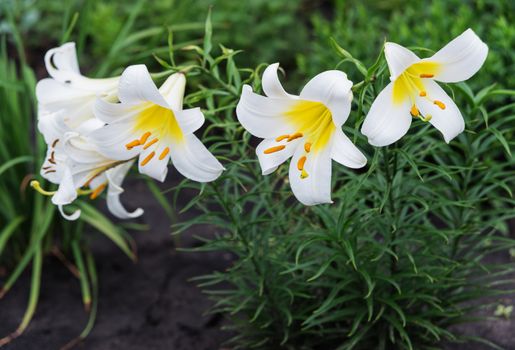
399,258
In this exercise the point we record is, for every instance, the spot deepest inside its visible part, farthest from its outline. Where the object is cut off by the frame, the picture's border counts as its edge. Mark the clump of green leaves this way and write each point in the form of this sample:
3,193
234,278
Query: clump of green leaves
399,258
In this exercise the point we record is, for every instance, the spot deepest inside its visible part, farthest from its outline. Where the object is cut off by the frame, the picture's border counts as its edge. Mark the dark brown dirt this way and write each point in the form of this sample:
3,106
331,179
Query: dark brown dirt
152,304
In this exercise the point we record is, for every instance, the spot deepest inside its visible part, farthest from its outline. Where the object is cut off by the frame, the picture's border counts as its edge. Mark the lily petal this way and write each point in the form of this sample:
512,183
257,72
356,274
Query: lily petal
193,160
263,116
449,120
66,192
136,87
269,162
398,58
386,122
272,87
345,152
333,89
461,58
61,62
173,90
150,163
115,178
316,187
190,120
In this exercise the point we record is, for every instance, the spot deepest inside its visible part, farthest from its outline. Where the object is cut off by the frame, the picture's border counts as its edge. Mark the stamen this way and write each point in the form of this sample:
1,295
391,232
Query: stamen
151,143
424,75
427,118
301,162
52,155
304,174
55,143
307,147
97,191
164,153
35,185
282,137
148,158
439,104
295,136
51,161
132,144
50,171
414,111
274,149
144,138
46,167
422,94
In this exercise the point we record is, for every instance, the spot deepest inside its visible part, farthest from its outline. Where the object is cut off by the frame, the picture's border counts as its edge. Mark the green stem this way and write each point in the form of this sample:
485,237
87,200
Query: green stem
389,174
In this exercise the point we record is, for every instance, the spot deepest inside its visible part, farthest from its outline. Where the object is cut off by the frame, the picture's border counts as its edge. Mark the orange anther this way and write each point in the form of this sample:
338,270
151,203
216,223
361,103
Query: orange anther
97,191
414,111
55,143
274,149
295,136
164,153
148,158
307,147
132,144
424,75
422,94
151,143
282,137
144,138
439,104
301,162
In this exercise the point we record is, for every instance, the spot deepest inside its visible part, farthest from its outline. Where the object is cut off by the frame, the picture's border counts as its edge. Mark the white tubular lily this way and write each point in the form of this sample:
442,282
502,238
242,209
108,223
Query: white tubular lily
150,123
413,92
305,127
67,92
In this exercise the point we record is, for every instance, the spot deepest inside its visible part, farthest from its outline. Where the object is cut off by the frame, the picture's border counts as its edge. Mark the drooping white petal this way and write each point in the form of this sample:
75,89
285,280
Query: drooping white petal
67,192
461,58
71,217
62,61
115,178
173,90
190,120
111,140
263,116
272,87
136,87
345,152
449,120
270,162
109,112
333,89
193,160
316,188
398,58
386,122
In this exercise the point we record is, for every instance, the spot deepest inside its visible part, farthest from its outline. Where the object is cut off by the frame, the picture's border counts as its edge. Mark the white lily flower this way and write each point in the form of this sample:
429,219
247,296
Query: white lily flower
74,164
150,123
413,92
67,92
305,127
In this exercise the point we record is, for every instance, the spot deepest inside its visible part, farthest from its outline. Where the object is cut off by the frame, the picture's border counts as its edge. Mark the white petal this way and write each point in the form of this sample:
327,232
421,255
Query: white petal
316,188
52,127
115,178
109,112
270,162
386,122
263,116
194,161
345,152
461,58
173,90
111,140
449,121
62,61
398,58
155,168
71,217
67,192
333,89
190,120
136,86
272,87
